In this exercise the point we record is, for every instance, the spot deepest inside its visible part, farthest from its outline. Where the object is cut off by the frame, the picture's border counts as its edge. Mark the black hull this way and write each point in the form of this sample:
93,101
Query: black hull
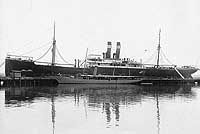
29,68
149,72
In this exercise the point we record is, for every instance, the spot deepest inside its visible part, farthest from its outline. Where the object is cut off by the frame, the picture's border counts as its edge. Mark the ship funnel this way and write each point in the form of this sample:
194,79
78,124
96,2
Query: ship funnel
108,53
118,50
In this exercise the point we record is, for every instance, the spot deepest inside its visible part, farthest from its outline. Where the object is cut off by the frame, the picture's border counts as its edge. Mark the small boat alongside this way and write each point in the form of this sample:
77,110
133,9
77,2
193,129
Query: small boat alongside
100,79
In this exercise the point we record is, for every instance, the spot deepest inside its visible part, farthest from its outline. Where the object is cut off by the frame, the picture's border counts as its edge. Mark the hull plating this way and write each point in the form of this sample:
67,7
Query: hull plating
31,69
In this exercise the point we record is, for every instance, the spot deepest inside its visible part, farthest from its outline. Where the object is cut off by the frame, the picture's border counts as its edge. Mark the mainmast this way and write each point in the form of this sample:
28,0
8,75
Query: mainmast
54,47
158,59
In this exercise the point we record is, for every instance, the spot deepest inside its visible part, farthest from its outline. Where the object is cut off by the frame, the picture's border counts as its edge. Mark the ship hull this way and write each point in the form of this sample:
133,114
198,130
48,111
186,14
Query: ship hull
29,68
148,72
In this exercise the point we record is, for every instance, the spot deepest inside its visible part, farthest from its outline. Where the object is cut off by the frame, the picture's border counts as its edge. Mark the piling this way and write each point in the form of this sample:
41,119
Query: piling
27,82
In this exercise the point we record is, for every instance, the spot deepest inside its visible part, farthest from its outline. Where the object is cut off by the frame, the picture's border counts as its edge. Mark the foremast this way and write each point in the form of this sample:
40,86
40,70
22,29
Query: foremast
158,59
54,47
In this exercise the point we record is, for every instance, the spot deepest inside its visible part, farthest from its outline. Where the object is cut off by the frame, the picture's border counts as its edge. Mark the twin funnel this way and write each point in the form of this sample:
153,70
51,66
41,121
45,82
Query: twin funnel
116,55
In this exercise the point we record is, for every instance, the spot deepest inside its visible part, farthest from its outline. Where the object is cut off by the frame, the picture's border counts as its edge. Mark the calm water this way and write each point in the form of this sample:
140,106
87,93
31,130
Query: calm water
88,109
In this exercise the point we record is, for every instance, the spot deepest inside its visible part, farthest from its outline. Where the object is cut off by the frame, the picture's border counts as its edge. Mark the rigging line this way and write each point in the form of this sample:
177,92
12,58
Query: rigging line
61,56
82,62
162,61
155,58
150,58
166,58
86,57
85,61
2,64
44,53
35,49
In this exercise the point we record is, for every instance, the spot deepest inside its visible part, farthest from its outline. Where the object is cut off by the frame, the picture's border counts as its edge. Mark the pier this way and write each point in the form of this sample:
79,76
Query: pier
51,81
27,82
164,82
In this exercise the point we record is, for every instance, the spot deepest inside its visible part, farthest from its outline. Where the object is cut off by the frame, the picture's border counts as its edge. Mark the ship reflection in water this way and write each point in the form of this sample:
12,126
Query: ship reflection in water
99,109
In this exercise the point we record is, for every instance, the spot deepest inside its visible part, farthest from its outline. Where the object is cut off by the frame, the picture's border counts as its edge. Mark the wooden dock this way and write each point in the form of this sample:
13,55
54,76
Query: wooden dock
50,81
27,82
170,82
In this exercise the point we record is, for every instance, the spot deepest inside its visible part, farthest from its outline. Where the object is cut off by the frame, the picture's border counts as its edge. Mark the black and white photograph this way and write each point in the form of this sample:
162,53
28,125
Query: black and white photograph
99,66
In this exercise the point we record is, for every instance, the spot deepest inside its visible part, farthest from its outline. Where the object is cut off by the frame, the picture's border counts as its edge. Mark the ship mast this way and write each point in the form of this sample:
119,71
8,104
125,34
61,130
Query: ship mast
158,59
54,47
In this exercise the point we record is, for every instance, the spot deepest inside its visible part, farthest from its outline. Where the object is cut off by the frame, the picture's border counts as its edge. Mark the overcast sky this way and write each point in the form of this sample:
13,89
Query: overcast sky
80,24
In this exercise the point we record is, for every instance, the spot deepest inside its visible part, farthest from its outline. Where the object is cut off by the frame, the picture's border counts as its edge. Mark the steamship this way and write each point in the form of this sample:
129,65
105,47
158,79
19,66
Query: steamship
109,68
